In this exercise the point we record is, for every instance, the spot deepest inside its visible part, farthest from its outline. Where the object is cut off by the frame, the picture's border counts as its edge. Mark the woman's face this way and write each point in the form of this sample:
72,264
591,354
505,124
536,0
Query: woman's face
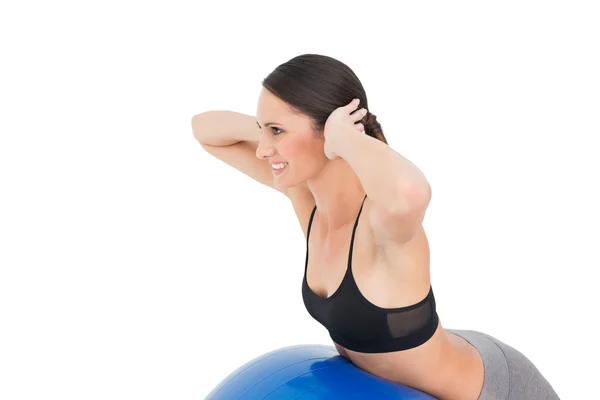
287,137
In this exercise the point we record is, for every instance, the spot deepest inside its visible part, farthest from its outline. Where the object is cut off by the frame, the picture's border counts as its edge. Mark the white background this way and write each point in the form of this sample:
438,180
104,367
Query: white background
136,266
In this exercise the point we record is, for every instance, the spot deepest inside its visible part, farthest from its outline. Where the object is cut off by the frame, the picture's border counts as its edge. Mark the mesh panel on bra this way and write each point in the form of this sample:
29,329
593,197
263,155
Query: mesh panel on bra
406,322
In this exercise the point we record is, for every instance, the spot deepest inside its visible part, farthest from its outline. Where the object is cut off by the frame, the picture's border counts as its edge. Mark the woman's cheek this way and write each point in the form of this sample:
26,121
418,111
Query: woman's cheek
299,148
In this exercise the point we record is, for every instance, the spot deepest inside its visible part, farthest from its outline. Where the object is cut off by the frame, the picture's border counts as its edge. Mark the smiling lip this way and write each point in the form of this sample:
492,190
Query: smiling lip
278,171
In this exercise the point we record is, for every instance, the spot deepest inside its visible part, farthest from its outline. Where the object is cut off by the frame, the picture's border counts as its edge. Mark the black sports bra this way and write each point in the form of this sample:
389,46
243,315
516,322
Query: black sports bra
359,325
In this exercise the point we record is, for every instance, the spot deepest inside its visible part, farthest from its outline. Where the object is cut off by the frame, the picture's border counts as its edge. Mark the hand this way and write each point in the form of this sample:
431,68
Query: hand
341,121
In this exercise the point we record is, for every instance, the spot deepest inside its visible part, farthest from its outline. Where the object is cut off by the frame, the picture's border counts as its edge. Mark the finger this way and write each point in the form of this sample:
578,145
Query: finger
358,115
360,127
352,105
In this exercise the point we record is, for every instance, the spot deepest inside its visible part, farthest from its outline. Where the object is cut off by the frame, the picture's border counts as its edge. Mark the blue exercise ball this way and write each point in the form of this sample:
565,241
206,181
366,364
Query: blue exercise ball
308,372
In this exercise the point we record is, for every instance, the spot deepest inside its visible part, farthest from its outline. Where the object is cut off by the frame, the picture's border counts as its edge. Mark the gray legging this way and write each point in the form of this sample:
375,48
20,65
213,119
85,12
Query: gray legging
508,375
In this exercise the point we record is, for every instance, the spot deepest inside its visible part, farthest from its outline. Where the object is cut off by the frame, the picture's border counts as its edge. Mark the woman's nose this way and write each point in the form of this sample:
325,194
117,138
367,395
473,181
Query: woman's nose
265,148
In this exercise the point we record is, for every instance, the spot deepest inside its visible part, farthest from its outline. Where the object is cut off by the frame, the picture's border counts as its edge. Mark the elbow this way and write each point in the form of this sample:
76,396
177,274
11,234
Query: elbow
194,125
423,193
412,196
419,194
197,127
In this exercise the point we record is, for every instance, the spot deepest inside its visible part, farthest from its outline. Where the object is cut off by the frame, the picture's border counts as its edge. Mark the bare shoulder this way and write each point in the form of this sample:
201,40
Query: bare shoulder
303,203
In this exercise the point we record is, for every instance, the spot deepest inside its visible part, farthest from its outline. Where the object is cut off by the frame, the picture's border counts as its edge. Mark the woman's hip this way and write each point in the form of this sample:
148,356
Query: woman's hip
508,373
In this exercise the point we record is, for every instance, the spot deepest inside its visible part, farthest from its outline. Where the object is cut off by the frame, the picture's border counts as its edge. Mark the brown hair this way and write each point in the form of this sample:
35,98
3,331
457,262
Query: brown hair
315,85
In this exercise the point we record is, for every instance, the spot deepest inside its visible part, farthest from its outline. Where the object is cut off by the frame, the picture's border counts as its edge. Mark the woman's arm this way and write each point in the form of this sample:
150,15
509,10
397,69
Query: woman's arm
224,128
233,137
390,180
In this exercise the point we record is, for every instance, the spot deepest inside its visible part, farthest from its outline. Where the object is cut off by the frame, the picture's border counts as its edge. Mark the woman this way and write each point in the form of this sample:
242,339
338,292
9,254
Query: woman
361,205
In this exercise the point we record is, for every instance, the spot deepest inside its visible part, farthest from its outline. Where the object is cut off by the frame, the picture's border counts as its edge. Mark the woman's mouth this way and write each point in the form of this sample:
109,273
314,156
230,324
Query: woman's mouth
278,168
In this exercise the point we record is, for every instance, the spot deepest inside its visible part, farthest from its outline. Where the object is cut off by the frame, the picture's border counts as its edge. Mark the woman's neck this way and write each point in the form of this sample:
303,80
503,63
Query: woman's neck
337,192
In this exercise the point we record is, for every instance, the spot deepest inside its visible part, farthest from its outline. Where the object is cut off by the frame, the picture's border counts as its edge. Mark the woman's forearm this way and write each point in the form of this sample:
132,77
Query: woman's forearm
389,179
224,128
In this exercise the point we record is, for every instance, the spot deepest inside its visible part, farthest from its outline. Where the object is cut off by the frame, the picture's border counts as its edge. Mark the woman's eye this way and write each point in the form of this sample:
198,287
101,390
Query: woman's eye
276,133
